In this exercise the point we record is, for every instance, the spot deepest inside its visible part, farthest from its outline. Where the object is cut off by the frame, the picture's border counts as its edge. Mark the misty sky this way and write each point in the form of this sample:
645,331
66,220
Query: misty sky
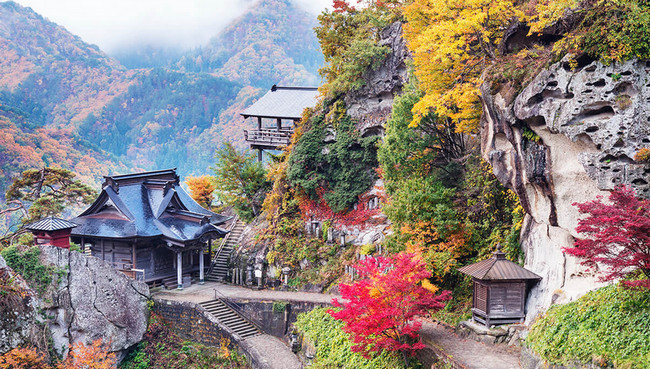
118,24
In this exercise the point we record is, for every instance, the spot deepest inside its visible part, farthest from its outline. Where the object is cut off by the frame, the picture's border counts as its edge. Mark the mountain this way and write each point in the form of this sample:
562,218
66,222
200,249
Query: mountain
65,102
272,43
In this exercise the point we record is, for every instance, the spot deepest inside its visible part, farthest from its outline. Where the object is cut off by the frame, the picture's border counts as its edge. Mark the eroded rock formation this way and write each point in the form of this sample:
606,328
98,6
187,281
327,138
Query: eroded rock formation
568,136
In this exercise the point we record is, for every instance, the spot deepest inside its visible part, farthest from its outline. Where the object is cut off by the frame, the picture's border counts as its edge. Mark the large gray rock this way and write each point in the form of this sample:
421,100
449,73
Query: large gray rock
94,301
589,123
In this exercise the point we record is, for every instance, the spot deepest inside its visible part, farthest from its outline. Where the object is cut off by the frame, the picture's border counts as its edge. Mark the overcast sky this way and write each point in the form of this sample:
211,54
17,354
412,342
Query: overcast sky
118,24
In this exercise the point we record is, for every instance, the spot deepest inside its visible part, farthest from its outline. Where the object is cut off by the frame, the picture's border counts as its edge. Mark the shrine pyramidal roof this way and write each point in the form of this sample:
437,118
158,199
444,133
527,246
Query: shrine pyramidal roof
149,204
283,103
498,268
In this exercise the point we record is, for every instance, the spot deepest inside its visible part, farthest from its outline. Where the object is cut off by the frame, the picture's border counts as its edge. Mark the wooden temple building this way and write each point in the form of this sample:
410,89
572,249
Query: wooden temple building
283,106
500,288
146,223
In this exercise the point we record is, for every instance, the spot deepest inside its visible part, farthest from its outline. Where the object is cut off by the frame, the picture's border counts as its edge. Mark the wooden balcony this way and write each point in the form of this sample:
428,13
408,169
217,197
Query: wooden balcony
268,139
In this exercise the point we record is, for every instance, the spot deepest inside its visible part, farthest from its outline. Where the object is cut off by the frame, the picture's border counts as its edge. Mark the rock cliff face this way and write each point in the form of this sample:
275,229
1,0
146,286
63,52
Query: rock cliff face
17,313
569,136
93,301
372,104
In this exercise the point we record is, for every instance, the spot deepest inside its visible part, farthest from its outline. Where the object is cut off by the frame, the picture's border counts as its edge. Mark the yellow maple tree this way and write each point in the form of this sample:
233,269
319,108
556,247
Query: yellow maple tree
452,42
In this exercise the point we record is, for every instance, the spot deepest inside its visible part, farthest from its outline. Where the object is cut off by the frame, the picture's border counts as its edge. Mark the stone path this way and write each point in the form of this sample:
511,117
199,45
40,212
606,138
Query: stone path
467,353
198,293
269,352
464,353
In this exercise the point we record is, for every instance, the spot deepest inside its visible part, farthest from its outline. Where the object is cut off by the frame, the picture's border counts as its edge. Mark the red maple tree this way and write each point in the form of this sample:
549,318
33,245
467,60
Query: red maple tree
380,310
617,236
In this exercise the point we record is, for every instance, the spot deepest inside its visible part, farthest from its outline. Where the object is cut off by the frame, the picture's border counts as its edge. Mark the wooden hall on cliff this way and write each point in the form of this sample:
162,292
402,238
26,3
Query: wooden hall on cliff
500,288
279,104
147,223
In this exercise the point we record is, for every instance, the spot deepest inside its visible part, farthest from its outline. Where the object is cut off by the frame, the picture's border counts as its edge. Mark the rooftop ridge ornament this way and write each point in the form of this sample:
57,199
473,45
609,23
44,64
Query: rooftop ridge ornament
498,253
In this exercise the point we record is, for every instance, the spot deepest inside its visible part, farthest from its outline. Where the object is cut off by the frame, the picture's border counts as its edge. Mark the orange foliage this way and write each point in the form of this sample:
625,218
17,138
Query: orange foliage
23,358
201,189
94,356
440,253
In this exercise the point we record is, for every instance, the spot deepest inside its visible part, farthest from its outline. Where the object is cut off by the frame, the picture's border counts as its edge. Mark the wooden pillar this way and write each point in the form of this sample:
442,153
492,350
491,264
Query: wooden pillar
201,277
279,124
259,155
259,123
83,245
133,256
210,248
179,269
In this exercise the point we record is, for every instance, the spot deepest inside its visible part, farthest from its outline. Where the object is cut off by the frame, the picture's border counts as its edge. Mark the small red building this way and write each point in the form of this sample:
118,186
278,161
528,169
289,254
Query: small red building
52,231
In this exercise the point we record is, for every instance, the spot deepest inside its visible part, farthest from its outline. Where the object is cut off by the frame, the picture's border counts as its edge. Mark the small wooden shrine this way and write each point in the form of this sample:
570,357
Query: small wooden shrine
279,104
146,223
51,231
500,288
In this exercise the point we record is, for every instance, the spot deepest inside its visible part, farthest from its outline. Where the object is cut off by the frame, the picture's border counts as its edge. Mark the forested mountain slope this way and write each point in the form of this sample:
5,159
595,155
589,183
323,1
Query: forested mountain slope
125,119
271,43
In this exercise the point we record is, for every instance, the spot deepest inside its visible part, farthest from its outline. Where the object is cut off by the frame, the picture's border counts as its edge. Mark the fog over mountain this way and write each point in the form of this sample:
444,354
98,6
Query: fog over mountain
164,27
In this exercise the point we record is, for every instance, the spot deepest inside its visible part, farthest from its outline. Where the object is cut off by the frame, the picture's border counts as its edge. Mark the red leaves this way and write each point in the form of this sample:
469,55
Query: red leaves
351,218
618,235
381,308
342,6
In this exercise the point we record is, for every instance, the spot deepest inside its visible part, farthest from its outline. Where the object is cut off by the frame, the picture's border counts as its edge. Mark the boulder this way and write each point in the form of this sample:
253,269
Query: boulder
94,301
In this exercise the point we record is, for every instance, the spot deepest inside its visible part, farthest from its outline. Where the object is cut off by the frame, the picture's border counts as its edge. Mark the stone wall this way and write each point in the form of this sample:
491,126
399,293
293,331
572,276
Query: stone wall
276,323
192,322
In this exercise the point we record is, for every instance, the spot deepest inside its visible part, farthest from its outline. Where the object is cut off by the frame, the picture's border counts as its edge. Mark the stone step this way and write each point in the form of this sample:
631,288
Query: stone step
230,319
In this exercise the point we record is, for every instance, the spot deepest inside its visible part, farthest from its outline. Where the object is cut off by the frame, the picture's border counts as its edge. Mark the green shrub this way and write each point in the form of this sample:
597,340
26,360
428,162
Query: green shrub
609,326
26,262
333,348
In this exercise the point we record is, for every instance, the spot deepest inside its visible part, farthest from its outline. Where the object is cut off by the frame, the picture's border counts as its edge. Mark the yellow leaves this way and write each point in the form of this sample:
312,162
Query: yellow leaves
429,286
452,43
548,12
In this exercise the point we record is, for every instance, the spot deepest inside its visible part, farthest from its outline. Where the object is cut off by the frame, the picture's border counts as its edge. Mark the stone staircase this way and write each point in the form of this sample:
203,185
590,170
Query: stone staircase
231,319
219,268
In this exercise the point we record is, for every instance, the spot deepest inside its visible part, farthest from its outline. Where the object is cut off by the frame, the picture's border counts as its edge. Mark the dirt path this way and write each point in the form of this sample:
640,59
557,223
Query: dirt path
466,353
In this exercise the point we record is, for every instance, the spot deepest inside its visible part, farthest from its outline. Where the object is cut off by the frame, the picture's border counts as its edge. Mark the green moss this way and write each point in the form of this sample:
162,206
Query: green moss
334,349
610,326
343,169
26,262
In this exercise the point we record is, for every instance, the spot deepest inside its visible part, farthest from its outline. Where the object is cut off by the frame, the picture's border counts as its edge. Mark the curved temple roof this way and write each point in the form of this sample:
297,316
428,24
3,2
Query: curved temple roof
149,204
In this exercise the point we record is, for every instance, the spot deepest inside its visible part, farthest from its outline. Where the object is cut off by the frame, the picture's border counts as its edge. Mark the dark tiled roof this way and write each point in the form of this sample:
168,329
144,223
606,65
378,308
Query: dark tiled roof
283,102
150,204
50,224
497,268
